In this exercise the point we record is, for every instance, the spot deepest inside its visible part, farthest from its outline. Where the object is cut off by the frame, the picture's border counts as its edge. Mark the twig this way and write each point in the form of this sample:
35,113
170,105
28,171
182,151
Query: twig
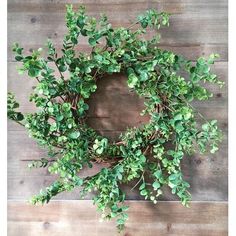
195,110
142,178
62,77
135,23
120,143
168,107
18,122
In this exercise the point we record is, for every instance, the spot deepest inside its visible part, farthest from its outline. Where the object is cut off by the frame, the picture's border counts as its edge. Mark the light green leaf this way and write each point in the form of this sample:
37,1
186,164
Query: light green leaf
74,135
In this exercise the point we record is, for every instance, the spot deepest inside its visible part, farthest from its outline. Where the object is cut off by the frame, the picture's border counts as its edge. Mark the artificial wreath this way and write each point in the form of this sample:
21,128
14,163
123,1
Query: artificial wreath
168,82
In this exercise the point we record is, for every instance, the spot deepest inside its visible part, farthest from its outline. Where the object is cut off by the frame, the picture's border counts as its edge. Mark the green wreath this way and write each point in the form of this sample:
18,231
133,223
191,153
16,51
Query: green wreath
150,154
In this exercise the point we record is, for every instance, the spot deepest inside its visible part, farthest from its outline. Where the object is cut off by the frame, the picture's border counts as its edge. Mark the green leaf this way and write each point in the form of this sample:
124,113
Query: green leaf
19,117
212,58
59,117
98,58
33,72
132,80
142,158
143,76
144,23
19,58
142,186
120,221
92,41
74,135
201,61
178,117
99,150
156,185
62,68
187,115
144,192
205,126
122,148
214,149
173,177
158,174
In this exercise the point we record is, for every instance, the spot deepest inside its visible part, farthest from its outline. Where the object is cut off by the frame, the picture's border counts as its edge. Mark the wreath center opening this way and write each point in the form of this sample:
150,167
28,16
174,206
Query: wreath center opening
113,107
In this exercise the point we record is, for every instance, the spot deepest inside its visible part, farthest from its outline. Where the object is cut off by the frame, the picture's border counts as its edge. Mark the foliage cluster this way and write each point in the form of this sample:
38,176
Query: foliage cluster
168,82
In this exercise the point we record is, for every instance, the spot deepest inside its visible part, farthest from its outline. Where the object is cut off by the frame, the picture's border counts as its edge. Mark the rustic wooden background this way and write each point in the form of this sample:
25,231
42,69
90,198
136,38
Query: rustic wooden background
196,28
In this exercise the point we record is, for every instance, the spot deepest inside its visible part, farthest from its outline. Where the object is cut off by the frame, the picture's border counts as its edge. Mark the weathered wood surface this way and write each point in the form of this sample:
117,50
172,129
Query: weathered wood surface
112,109
115,87
79,218
206,174
197,28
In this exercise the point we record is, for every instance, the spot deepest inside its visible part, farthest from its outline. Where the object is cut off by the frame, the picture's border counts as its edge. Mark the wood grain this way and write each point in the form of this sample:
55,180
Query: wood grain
79,218
206,174
114,86
46,20
197,28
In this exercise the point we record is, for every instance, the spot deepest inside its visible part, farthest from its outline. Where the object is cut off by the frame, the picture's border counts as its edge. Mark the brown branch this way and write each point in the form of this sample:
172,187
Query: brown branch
120,143
18,122
135,23
62,77
142,177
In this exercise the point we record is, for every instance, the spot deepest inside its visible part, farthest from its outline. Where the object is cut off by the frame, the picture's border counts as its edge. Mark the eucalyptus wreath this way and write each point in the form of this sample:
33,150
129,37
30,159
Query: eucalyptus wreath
150,154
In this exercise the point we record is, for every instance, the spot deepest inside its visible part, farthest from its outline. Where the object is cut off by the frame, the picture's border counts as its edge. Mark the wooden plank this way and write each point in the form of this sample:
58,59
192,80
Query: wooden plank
45,18
183,31
67,218
111,86
112,126
172,6
94,7
190,51
133,119
206,173
109,123
210,186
